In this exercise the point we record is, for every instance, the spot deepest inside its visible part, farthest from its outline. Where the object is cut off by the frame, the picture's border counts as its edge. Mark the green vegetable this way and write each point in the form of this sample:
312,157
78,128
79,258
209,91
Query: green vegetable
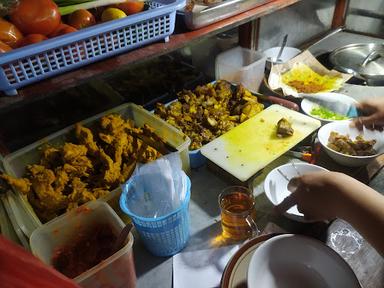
325,113
62,3
69,6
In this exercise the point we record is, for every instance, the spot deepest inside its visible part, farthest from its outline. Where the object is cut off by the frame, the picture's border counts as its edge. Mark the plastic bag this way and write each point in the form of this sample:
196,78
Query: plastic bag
158,187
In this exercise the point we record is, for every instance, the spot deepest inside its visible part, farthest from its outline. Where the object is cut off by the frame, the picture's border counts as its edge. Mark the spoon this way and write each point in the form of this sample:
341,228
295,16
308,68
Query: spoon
122,237
278,60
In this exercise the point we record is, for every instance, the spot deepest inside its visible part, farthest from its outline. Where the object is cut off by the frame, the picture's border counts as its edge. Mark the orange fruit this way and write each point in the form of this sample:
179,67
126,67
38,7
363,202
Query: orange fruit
4,47
31,39
131,6
9,34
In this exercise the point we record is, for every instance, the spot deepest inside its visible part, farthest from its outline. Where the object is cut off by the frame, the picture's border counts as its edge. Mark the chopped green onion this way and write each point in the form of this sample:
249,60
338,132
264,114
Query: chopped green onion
327,114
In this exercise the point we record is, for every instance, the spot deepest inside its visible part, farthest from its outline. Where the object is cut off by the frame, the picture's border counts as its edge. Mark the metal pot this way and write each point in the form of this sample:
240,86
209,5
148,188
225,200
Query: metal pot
363,60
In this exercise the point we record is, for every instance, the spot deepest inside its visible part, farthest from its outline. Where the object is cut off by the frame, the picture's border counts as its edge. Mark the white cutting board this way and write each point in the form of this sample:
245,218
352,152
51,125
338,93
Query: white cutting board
252,145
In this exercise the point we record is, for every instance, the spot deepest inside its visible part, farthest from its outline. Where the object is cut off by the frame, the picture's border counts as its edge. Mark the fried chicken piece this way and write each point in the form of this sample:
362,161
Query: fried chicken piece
21,184
76,156
113,166
108,139
99,192
42,180
113,124
284,128
344,144
111,171
80,194
85,137
127,170
61,180
51,157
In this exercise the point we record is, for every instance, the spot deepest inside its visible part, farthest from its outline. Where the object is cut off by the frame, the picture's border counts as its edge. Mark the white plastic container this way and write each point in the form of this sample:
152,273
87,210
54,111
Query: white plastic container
241,66
16,162
118,270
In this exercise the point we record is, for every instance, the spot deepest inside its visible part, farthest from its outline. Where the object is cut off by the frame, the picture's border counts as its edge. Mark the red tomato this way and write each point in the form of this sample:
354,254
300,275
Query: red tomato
4,47
31,39
81,19
130,6
36,16
9,33
62,29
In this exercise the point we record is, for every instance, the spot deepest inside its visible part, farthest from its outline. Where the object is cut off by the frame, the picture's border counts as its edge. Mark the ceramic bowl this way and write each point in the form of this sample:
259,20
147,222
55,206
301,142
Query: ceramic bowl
288,53
344,128
275,185
290,260
308,105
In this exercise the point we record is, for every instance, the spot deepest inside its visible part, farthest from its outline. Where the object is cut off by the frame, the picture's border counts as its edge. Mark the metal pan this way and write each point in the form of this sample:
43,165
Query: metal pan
363,60
203,15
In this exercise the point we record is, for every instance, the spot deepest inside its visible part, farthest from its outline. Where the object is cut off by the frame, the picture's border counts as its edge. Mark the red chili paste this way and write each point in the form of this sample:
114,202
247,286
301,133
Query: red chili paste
85,251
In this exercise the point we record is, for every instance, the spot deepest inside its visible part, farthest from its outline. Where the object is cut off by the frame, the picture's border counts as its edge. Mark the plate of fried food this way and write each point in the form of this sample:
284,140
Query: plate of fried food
207,112
349,146
305,75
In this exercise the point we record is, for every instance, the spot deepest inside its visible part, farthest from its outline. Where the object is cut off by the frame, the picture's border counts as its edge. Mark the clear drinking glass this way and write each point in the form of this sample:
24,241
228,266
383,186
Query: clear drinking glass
238,213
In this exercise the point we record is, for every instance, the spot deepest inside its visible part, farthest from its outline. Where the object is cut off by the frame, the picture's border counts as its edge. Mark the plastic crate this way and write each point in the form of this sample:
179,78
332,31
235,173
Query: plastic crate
60,54
16,162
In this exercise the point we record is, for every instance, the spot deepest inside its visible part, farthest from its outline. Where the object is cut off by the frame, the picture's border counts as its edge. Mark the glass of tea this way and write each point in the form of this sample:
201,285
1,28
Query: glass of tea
238,213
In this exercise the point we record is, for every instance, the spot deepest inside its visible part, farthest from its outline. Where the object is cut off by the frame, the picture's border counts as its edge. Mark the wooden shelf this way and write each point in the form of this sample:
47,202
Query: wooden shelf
119,62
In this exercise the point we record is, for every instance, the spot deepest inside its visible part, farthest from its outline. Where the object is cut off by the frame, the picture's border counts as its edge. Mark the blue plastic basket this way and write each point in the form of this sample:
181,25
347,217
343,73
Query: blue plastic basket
60,54
196,159
165,235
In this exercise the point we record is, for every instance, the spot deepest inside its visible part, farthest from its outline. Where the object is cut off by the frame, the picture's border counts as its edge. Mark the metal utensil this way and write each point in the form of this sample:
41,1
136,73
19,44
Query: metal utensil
120,241
282,174
278,60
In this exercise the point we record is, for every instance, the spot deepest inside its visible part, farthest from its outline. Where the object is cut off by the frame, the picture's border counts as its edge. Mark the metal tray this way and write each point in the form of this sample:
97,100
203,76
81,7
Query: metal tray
203,15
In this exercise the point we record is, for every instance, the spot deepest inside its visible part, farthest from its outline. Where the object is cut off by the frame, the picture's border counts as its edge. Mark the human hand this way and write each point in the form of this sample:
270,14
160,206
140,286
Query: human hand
373,110
319,196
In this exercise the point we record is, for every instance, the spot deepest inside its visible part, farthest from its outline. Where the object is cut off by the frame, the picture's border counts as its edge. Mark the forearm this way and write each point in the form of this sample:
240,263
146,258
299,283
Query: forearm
363,208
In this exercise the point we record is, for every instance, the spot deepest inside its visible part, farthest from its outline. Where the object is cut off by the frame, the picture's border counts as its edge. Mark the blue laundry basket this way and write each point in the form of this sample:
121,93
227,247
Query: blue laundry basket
165,235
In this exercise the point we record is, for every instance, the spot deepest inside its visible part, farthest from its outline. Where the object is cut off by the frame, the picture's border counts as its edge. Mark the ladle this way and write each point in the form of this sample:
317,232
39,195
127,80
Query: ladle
278,60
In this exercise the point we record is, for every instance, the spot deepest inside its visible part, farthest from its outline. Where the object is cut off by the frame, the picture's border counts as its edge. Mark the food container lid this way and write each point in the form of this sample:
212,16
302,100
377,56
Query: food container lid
351,58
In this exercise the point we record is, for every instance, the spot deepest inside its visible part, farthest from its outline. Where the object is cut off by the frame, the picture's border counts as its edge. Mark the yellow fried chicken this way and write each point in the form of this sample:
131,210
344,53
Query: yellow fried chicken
21,184
101,158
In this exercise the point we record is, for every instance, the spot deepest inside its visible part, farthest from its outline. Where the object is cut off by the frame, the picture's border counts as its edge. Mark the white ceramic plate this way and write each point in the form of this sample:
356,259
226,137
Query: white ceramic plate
275,185
298,261
235,272
308,105
344,128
